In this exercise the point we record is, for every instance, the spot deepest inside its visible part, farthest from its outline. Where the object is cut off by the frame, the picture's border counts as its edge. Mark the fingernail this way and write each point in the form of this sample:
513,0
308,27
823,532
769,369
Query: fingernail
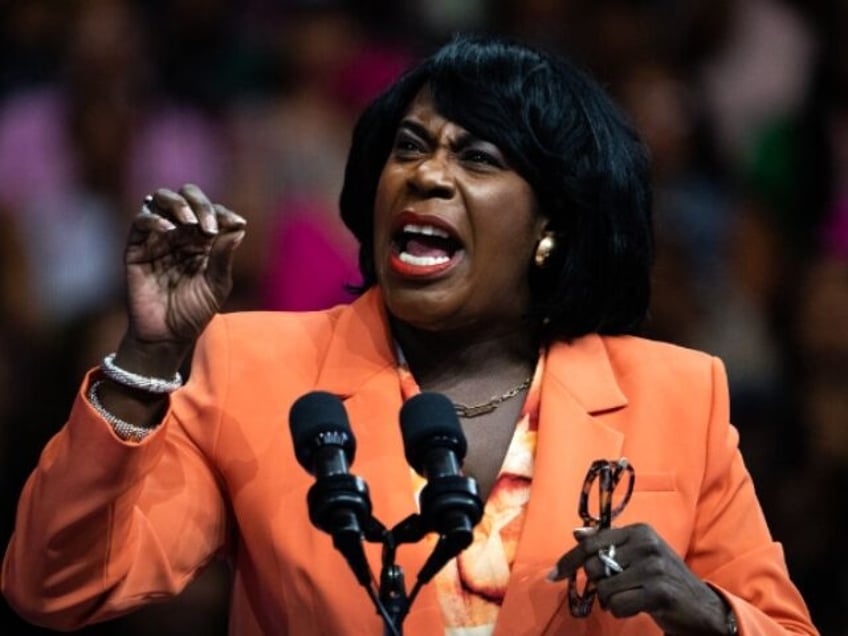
191,217
236,240
209,225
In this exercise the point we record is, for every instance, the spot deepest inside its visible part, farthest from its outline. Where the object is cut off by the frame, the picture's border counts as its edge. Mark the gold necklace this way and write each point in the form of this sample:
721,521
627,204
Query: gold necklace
492,403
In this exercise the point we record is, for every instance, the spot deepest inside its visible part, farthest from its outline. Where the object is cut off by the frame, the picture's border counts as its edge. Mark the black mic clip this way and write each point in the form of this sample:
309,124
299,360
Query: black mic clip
451,504
340,505
452,508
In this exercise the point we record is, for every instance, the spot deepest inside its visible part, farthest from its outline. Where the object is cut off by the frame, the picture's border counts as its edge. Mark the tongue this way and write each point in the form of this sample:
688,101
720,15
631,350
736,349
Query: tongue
422,247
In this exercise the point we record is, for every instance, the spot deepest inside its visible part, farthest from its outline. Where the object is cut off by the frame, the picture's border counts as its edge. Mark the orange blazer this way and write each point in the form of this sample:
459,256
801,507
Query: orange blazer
104,526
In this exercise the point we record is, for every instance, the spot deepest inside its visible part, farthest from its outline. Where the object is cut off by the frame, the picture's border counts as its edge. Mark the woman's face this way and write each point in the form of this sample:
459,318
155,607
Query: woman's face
455,228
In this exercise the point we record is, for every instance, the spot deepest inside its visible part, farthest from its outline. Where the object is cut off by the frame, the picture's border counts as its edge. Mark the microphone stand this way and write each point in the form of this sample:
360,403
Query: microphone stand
393,589
391,600
450,507
339,505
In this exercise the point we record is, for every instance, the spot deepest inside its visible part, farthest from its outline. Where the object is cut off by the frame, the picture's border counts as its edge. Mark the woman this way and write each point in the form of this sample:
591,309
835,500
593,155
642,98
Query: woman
502,208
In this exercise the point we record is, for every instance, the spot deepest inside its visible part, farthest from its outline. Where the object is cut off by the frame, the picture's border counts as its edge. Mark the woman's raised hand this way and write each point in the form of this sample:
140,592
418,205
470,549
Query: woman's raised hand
178,260
179,266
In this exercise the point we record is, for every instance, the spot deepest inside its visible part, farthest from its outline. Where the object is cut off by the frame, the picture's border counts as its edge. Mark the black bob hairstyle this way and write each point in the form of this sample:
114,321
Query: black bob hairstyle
563,134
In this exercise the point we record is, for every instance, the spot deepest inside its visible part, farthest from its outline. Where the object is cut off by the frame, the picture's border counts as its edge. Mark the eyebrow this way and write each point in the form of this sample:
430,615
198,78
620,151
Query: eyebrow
462,140
415,128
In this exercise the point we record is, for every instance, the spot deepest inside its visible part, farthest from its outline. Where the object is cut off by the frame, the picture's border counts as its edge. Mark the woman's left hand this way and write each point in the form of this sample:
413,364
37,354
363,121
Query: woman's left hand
654,579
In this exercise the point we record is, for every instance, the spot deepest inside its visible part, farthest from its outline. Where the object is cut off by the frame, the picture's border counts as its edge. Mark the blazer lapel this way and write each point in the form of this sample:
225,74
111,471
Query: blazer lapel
578,383
360,367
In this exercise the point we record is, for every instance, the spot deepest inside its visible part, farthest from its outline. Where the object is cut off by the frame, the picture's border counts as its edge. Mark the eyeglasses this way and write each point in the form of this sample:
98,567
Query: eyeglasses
607,473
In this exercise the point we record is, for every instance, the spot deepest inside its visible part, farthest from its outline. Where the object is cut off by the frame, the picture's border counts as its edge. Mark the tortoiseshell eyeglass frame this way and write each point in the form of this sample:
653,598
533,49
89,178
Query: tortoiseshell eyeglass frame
607,473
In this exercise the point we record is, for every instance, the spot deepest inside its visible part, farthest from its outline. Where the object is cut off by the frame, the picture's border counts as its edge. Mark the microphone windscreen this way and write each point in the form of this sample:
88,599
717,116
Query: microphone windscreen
318,419
428,421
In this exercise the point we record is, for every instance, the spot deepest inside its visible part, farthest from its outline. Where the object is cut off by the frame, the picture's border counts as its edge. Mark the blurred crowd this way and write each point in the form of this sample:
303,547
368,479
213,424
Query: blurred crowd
744,104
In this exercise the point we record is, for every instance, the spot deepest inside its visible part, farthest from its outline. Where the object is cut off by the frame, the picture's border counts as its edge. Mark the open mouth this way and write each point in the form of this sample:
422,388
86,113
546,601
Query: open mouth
420,249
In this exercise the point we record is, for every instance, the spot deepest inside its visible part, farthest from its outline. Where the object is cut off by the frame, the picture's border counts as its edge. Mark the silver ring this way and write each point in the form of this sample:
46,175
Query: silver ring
607,557
147,205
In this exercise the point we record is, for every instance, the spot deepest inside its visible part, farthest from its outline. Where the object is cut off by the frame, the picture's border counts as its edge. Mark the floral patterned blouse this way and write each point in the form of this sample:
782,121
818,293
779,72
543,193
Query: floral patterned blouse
471,586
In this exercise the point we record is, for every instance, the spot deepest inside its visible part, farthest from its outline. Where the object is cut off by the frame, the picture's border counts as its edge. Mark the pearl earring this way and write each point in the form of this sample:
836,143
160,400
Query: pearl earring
544,249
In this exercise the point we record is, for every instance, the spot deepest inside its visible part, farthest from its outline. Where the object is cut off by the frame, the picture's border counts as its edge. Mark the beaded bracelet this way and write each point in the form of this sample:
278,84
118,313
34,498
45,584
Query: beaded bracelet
136,381
123,429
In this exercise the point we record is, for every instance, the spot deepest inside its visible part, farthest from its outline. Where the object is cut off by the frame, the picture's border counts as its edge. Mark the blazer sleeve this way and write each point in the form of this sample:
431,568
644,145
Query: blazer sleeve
105,525
732,548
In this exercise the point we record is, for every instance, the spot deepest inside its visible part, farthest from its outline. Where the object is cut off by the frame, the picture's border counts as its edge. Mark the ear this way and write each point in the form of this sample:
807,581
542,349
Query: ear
542,226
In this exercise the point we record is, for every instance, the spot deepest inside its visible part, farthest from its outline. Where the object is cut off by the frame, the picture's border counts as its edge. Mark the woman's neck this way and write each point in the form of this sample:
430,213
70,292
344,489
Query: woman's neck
471,365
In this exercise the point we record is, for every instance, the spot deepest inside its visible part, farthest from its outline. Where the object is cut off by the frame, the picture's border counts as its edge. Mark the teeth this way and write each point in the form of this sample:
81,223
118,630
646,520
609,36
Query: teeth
427,230
423,261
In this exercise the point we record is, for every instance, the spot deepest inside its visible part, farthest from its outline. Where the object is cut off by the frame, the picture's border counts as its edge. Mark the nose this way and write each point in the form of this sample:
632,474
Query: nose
432,177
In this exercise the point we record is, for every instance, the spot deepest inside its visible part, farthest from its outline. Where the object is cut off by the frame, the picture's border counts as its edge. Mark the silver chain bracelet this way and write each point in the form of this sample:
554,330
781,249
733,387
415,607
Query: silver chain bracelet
123,429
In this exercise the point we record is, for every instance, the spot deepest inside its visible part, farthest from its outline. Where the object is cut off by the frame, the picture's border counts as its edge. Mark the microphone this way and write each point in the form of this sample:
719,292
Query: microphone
323,442
435,446
338,501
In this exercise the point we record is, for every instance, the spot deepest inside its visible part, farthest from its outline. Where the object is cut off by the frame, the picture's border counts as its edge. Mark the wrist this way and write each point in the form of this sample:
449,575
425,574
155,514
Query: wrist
727,625
713,616
154,359
123,429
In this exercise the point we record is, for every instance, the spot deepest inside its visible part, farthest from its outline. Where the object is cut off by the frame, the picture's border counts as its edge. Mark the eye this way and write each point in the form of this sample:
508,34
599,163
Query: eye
478,156
407,146
483,156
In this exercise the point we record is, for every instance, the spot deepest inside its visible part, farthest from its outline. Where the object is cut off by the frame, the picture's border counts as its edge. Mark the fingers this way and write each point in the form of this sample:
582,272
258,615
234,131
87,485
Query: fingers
228,220
190,206
569,563
584,554
176,207
185,222
623,603
202,208
621,538
232,227
149,222
219,270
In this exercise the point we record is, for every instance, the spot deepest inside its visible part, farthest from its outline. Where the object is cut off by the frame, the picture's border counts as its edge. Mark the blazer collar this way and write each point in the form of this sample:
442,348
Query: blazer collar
360,346
582,368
